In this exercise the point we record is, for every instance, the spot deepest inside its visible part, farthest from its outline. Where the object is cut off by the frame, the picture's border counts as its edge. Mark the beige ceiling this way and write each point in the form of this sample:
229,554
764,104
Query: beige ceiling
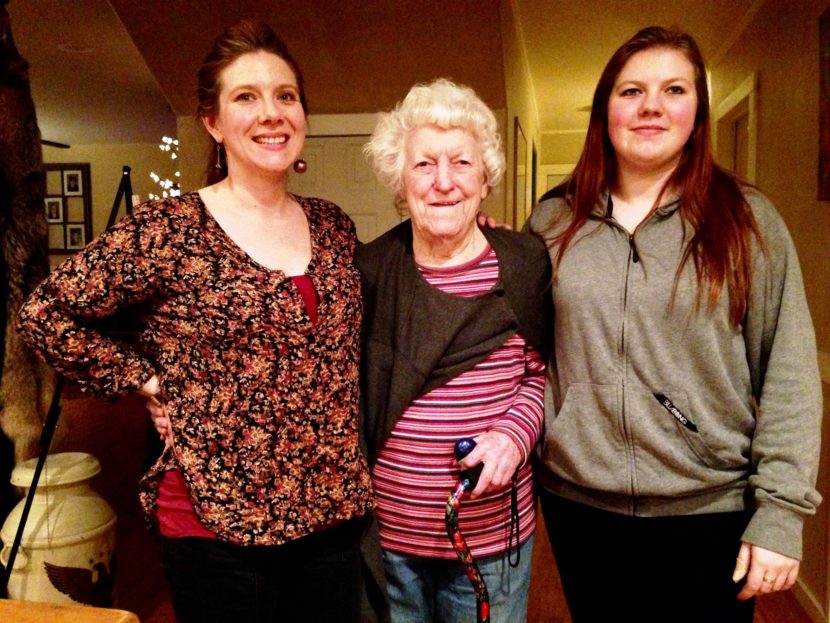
121,70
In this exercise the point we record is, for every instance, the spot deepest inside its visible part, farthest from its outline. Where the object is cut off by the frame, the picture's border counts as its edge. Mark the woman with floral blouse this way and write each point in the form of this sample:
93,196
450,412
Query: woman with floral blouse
249,337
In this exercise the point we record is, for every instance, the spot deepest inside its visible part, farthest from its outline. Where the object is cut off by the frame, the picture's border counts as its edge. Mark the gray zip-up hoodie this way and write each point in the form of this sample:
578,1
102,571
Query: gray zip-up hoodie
650,407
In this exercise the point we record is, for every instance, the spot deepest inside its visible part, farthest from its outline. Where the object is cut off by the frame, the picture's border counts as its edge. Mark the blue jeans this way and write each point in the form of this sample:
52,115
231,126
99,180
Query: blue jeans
434,590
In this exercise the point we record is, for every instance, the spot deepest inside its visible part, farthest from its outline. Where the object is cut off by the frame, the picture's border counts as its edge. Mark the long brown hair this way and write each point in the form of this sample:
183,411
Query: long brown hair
711,201
244,37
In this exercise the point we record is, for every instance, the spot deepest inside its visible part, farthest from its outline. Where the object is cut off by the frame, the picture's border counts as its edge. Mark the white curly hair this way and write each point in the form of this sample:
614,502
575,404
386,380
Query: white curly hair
440,103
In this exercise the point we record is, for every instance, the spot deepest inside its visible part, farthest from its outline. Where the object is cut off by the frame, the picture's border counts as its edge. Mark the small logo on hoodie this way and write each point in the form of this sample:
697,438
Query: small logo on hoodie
677,413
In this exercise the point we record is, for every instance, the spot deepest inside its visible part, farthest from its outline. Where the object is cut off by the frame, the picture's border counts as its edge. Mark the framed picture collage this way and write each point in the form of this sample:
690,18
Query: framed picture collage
68,208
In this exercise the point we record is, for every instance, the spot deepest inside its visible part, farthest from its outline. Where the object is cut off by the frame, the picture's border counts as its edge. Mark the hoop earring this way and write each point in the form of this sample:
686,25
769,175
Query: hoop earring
300,166
218,155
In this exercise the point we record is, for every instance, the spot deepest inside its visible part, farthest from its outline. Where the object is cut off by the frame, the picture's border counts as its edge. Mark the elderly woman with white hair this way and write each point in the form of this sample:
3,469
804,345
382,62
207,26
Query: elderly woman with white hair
454,346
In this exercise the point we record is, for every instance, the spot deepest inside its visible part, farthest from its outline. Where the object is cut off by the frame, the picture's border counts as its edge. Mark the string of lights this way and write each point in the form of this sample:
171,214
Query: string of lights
169,188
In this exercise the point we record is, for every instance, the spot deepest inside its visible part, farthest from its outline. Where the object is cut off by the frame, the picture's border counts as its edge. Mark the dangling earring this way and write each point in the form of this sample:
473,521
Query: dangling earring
300,166
218,155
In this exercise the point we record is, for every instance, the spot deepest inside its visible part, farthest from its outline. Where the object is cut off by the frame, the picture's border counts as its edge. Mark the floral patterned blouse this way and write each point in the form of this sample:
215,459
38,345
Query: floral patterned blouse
263,403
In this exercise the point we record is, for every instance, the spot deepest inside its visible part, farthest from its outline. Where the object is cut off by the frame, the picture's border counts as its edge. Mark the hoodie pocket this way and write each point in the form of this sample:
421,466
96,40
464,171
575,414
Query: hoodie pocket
584,441
688,429
672,454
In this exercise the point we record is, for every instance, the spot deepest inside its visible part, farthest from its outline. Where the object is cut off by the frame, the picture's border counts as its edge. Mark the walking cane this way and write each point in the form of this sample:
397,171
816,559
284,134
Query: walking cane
467,482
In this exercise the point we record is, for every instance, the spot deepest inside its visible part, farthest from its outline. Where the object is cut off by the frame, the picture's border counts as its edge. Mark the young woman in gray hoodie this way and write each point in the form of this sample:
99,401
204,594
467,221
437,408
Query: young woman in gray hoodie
684,404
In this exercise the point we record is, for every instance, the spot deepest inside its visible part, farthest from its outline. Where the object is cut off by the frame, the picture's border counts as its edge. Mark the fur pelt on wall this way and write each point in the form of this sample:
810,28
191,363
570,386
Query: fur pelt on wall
26,383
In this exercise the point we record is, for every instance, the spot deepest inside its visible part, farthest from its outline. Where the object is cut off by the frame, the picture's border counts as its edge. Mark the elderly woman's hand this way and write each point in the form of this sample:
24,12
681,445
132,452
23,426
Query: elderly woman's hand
501,458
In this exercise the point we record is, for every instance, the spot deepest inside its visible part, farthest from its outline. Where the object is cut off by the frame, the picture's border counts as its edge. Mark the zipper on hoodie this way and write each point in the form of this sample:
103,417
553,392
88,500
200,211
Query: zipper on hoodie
635,257
629,444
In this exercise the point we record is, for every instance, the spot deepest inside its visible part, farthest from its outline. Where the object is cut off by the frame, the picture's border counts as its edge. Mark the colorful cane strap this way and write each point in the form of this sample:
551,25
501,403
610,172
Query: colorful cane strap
464,555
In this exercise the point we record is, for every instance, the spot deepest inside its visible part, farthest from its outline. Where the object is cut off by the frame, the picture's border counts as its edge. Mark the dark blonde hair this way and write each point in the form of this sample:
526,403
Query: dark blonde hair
244,37
711,201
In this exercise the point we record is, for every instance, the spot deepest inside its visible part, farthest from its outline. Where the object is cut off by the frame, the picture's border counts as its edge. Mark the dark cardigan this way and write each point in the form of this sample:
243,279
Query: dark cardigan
416,337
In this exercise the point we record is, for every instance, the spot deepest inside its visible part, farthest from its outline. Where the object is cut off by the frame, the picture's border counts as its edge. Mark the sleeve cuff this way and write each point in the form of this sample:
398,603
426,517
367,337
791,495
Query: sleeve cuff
516,438
777,529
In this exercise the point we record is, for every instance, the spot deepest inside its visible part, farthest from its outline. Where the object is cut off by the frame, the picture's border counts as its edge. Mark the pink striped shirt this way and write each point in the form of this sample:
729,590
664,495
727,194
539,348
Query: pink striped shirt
416,471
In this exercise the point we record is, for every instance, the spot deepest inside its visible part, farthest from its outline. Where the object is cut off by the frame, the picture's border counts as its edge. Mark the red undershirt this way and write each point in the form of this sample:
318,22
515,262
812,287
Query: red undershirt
175,513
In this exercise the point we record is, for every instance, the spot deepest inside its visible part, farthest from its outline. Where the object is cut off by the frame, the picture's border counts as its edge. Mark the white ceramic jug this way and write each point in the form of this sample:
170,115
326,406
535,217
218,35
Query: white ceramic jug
66,554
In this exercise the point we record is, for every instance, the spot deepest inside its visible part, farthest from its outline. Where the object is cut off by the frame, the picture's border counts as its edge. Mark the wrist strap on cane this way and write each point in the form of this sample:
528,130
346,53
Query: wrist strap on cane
514,524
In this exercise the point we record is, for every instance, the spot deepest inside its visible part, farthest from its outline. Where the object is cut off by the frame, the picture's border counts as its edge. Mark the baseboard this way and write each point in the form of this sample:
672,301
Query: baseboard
824,366
808,602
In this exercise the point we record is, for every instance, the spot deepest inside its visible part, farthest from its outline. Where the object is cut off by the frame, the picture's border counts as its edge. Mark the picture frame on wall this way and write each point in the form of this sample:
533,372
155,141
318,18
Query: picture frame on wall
54,209
68,207
75,237
73,183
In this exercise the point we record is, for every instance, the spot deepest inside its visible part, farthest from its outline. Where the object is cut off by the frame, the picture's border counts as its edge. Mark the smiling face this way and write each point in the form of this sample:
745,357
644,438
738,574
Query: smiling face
260,120
443,182
651,110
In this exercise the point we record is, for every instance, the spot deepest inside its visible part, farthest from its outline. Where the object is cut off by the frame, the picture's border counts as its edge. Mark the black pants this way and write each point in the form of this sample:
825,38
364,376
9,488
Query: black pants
646,569
315,578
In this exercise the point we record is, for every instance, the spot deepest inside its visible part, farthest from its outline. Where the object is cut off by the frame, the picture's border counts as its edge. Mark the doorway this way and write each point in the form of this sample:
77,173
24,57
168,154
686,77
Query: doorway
735,130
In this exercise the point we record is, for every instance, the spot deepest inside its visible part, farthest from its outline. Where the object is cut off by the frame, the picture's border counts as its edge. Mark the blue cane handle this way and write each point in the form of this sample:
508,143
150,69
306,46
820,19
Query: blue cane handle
470,476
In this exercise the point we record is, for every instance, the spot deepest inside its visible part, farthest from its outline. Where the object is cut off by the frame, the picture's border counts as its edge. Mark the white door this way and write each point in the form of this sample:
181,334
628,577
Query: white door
337,171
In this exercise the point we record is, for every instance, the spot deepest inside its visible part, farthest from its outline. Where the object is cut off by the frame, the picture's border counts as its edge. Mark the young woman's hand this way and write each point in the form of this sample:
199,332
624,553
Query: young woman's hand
156,408
766,571
161,422
488,221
